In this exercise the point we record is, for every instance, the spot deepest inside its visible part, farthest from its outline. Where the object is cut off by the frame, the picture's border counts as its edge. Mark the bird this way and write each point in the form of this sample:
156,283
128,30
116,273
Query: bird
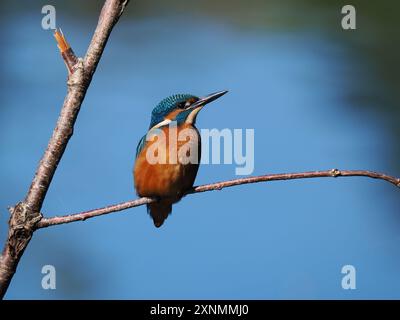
162,171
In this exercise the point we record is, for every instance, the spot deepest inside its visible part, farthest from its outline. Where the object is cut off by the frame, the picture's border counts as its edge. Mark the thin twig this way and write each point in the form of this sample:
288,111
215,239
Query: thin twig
47,222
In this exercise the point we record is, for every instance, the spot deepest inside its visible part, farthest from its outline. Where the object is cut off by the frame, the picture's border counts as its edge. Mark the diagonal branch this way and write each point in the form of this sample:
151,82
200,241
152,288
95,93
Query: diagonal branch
78,83
47,222
26,214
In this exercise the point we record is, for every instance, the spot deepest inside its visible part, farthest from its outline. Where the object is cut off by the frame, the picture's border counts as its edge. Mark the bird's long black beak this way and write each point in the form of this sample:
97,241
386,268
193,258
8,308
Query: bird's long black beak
211,97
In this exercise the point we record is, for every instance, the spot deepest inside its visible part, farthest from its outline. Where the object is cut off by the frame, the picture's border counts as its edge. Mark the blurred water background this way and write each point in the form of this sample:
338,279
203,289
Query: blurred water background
318,97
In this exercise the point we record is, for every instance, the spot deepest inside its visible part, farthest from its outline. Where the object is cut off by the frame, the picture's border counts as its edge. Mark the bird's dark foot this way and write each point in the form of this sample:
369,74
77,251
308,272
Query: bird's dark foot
156,198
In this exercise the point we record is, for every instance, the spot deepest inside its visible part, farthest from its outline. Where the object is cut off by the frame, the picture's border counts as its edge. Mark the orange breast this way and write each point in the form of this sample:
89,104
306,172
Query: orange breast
173,178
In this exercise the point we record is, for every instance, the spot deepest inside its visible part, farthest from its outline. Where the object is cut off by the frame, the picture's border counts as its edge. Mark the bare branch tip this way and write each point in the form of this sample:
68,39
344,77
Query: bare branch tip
66,51
62,43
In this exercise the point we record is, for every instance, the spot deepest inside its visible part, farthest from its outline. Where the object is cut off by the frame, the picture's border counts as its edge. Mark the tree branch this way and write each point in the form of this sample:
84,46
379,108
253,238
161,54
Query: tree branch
47,222
25,215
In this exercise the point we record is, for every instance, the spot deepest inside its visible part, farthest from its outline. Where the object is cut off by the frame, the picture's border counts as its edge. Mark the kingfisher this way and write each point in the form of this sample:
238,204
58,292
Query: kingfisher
168,156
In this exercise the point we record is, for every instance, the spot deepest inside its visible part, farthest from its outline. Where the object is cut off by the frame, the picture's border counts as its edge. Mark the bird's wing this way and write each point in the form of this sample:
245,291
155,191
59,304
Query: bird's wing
140,145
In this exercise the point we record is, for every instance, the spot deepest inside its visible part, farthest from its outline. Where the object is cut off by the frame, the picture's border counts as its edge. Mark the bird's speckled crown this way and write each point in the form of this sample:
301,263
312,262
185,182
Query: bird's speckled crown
166,106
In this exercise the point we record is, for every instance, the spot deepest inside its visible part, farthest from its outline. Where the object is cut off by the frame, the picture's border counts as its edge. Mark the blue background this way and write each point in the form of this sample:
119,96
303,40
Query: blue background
318,97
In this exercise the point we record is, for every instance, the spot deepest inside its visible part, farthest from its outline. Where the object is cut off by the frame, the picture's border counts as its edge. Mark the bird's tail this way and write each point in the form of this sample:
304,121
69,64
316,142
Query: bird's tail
159,211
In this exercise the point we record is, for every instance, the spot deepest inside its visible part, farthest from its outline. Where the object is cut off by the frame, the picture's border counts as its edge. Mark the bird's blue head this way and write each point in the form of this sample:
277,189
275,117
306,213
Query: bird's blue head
180,108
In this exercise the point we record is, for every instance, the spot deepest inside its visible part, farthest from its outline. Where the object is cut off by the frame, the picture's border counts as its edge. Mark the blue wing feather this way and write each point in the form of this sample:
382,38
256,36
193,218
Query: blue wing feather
140,145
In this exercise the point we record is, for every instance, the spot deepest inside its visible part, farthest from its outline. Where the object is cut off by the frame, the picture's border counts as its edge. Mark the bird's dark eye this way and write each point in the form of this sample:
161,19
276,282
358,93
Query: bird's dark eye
182,105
